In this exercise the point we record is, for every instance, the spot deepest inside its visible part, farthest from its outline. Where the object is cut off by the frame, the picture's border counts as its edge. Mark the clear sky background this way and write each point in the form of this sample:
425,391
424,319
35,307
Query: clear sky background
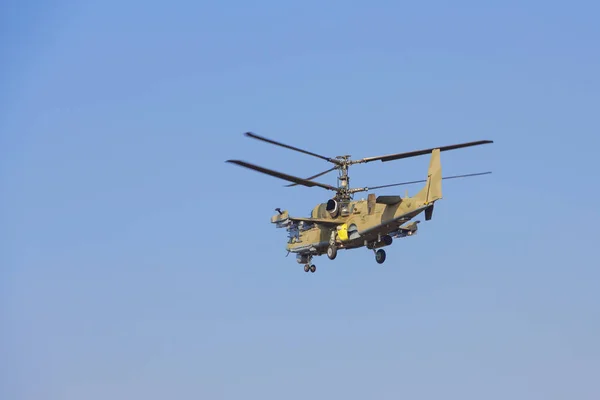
136,263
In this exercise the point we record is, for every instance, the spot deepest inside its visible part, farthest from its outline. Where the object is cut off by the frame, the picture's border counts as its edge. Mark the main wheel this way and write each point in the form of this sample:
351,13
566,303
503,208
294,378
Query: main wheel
331,252
313,268
306,268
380,256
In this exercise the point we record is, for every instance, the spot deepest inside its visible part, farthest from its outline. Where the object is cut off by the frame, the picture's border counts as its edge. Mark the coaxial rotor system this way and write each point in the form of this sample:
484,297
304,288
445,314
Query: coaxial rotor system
343,192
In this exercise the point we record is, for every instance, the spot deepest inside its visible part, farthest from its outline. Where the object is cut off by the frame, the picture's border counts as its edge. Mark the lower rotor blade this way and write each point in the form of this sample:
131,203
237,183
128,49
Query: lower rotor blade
281,175
425,180
313,177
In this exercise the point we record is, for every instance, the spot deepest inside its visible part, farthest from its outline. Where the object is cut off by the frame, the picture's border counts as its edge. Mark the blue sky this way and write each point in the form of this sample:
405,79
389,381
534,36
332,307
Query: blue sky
137,263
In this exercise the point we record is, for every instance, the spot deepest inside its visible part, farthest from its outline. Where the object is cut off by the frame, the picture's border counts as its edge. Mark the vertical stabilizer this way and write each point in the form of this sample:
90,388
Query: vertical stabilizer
433,187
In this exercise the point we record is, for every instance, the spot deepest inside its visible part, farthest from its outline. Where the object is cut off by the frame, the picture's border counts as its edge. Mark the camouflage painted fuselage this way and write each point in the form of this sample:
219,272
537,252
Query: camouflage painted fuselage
364,225
370,223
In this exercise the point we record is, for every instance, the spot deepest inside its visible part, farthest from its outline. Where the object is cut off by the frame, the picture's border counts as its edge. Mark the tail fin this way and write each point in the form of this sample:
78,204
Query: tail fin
433,188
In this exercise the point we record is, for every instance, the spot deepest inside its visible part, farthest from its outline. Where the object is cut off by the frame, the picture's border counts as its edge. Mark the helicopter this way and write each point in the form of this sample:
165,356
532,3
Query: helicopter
342,223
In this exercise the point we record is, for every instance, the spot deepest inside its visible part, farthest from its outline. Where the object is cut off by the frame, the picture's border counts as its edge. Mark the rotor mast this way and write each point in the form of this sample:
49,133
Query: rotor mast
343,193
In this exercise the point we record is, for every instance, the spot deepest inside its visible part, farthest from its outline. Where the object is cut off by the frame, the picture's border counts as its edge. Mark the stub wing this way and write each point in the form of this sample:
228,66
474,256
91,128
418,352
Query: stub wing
283,218
318,221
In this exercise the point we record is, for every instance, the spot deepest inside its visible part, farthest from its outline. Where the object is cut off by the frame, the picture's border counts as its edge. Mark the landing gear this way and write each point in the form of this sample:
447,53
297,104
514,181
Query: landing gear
332,249
332,252
380,256
310,267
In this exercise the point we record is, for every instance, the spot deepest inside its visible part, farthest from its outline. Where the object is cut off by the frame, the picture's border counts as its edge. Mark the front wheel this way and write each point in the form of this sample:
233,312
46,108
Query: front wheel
380,256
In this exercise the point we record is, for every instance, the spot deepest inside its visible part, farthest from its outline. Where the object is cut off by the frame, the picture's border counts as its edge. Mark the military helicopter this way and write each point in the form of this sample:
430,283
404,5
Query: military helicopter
344,223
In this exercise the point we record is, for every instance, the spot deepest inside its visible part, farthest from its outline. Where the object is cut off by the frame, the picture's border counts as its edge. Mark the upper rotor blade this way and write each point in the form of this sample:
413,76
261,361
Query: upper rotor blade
397,156
281,175
264,139
313,177
425,180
